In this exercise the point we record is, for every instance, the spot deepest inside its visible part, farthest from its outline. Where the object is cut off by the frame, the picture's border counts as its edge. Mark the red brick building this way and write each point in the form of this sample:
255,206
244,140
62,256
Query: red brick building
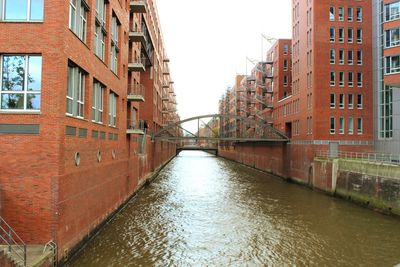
78,80
332,73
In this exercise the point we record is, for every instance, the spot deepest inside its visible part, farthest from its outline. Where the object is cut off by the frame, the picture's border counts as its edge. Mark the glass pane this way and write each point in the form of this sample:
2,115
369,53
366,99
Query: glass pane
35,73
16,9
36,9
13,73
12,101
69,106
33,101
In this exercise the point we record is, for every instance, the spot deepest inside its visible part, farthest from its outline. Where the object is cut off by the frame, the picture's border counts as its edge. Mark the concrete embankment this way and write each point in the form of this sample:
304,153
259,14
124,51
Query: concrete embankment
374,185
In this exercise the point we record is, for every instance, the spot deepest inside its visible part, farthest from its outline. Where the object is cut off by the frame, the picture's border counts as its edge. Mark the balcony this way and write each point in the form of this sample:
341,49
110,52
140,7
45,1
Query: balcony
165,84
136,93
268,75
137,65
165,97
133,127
138,6
251,79
166,70
137,35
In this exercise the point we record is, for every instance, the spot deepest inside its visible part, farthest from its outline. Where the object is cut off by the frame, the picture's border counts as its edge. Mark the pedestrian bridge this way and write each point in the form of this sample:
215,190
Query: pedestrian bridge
219,128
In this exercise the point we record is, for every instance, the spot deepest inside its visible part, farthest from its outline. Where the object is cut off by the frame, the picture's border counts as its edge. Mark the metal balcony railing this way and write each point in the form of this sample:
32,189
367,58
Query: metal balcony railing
137,64
136,92
136,127
15,246
363,156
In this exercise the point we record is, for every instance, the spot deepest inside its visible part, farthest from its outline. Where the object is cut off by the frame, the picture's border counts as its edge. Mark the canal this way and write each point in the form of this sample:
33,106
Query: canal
207,211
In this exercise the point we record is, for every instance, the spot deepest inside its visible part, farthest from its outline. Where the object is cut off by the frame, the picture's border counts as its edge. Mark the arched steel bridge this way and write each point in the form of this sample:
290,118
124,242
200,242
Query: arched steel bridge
229,128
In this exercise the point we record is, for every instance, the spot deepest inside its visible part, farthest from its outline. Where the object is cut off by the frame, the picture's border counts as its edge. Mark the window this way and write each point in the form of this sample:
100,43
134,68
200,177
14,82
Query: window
332,101
78,10
341,101
351,125
350,14
359,125
359,36
392,11
114,44
285,64
341,56
341,125
350,35
341,78
392,37
359,57
285,49
359,14
285,80
332,34
112,110
359,101
100,29
386,112
76,92
332,56
392,64
359,79
21,82
22,10
341,13
351,79
97,102
332,125
350,57
341,35
332,78
332,13
351,101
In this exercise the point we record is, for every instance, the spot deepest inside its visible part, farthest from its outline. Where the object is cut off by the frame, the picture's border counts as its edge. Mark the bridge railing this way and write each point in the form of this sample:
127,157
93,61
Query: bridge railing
364,156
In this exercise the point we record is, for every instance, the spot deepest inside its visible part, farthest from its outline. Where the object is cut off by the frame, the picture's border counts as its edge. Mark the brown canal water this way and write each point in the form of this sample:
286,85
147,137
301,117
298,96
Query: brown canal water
207,211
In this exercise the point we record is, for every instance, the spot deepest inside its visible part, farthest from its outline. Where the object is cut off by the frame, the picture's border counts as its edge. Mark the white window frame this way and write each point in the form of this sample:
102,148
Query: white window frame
332,104
341,79
389,34
350,57
389,68
97,102
359,10
28,12
80,20
350,35
360,126
350,13
332,130
331,13
360,78
393,16
359,36
350,125
341,35
332,82
25,92
341,56
351,101
342,101
332,56
350,80
332,37
341,125
112,109
78,92
341,13
360,100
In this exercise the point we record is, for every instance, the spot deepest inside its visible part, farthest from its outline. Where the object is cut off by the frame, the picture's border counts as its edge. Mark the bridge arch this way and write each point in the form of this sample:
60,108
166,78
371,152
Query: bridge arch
266,132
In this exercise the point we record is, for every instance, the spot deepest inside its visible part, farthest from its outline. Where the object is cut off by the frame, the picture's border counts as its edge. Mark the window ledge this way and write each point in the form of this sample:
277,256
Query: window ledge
76,118
24,112
21,21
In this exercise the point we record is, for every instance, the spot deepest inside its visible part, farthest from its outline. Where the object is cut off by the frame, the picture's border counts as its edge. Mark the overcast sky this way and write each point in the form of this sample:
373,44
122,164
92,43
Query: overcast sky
207,42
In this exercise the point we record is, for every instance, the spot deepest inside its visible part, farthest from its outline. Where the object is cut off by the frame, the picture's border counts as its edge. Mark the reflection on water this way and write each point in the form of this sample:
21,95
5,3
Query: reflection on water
206,211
